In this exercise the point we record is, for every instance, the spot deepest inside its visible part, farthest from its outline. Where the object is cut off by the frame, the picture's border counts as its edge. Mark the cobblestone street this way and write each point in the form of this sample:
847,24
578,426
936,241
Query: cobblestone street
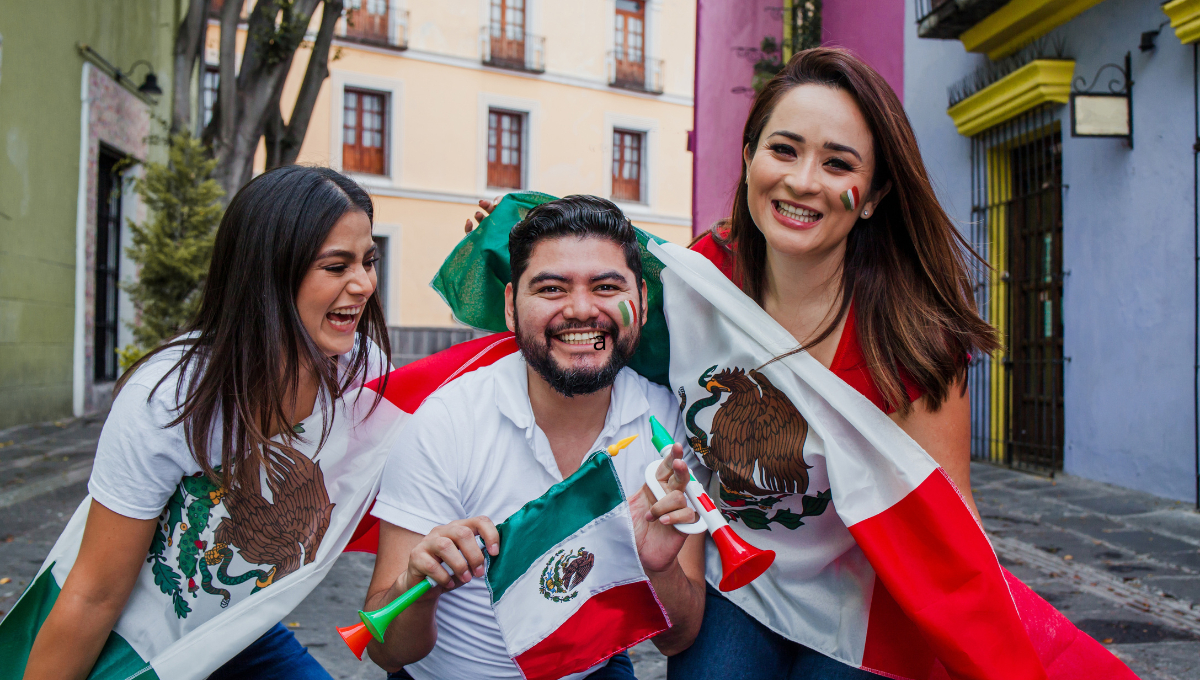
1124,566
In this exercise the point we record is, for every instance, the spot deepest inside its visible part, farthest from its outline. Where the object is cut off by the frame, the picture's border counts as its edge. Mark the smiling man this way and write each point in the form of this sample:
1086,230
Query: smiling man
496,438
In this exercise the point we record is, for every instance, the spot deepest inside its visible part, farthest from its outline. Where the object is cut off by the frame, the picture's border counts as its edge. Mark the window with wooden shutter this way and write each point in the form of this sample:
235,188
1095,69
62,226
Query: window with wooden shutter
367,20
508,32
629,43
627,165
505,152
364,142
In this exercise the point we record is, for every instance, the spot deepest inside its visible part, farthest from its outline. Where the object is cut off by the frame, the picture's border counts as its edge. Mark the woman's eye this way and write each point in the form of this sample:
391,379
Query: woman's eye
783,149
839,164
335,268
368,264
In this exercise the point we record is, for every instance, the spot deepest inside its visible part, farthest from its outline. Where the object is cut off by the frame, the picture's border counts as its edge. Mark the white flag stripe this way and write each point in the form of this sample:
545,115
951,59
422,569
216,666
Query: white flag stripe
527,617
865,481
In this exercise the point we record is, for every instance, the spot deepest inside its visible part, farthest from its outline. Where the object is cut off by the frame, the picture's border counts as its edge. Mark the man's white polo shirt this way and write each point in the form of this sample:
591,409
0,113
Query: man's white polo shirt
472,449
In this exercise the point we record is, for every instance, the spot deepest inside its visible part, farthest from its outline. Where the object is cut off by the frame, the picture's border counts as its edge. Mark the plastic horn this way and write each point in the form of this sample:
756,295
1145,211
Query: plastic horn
741,562
375,623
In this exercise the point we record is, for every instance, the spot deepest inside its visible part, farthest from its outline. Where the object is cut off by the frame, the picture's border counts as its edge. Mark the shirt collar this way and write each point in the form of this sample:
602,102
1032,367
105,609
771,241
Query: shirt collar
628,403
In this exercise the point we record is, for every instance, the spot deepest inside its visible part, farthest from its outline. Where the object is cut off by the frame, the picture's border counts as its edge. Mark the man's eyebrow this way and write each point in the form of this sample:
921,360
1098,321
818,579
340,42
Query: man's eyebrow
547,276
610,276
832,146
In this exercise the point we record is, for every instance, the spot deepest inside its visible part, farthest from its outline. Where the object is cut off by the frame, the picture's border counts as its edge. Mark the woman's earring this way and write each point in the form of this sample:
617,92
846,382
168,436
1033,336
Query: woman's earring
866,212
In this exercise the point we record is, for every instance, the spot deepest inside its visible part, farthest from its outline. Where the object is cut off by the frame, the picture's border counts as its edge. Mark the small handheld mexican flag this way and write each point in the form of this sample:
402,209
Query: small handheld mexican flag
568,588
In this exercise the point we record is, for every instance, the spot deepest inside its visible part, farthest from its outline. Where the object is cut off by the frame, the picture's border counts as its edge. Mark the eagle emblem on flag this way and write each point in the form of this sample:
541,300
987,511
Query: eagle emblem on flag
564,572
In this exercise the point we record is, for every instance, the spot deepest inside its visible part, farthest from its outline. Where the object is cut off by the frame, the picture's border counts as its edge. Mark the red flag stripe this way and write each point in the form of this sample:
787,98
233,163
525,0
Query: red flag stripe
608,623
933,558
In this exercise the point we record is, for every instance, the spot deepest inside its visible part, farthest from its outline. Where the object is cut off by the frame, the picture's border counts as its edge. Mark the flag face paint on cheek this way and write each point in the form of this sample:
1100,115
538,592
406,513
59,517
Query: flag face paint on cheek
850,199
628,313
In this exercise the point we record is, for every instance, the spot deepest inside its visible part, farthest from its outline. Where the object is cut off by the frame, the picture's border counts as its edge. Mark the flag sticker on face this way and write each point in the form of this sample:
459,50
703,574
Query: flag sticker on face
628,313
850,199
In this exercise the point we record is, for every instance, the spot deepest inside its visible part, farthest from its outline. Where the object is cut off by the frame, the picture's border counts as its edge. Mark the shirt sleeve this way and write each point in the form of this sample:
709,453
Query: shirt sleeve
139,460
419,490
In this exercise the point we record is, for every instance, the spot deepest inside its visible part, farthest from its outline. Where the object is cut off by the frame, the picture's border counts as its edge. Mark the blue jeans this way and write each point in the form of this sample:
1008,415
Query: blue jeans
619,667
277,655
731,645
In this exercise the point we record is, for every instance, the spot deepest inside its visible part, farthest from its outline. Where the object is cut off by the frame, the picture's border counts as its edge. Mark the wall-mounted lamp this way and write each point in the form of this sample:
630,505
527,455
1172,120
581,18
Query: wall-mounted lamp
1148,38
1104,114
149,84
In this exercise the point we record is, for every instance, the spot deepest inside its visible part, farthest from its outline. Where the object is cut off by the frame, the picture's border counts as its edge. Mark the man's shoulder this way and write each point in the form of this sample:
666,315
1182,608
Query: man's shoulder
470,383
655,394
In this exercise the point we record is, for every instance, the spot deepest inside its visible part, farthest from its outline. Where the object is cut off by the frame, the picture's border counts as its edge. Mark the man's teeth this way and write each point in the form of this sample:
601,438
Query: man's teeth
797,213
581,338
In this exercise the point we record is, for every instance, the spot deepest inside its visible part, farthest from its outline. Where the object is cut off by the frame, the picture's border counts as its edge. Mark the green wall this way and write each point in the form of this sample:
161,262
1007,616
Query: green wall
40,106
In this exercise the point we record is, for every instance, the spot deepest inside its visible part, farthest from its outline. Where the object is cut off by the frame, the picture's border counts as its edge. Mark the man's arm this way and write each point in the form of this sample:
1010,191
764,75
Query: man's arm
673,561
404,559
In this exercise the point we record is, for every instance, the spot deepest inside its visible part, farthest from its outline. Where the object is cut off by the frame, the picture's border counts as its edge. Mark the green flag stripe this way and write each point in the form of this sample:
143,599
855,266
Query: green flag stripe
543,523
117,660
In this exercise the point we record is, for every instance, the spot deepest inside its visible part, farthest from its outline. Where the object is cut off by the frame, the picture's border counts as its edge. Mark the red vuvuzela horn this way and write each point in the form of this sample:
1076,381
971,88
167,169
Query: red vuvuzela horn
357,637
741,562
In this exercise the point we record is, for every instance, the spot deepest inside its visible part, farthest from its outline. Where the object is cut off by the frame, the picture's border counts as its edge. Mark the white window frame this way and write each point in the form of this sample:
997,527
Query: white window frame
393,90
650,35
531,110
649,129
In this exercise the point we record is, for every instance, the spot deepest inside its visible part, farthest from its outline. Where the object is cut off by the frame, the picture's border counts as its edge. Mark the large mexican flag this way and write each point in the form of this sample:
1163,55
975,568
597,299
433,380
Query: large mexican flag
568,588
894,574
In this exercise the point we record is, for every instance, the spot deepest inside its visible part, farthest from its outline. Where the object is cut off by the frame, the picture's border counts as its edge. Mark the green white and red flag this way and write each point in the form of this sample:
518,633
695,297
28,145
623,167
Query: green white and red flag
568,588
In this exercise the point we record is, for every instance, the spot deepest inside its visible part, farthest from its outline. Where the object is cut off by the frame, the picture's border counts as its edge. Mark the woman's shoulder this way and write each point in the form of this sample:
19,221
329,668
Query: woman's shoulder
850,364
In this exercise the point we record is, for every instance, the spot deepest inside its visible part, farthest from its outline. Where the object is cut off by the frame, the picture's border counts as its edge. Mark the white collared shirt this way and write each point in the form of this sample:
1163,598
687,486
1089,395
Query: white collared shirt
472,449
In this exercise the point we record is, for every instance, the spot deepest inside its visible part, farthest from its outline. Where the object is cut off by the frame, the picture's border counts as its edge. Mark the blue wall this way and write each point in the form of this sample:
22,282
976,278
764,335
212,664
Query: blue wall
1129,304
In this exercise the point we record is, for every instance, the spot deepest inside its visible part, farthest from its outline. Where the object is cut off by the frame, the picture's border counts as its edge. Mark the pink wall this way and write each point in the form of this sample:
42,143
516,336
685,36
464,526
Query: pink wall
872,29
722,26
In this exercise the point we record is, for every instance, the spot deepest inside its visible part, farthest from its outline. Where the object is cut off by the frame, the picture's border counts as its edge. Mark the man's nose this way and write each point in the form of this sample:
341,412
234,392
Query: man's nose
581,306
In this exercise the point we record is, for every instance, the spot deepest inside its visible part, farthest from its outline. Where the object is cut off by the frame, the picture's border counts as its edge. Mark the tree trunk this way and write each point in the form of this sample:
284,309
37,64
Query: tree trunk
189,45
274,31
284,141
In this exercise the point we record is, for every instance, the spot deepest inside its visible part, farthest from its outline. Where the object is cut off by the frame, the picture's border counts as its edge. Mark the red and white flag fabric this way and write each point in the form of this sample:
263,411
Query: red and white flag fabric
880,563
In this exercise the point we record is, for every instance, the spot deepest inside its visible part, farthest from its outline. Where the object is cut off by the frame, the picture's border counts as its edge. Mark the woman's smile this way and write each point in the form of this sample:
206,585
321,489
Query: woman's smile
344,319
795,215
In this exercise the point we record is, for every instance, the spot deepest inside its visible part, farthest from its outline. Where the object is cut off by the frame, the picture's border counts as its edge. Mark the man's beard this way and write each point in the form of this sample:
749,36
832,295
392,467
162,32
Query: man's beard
571,382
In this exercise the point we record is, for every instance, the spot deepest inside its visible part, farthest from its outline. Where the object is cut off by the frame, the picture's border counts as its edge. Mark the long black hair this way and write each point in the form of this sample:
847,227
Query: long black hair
244,353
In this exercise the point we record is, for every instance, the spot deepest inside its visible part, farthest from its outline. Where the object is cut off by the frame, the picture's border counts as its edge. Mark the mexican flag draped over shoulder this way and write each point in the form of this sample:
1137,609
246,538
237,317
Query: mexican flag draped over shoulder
893,573
198,602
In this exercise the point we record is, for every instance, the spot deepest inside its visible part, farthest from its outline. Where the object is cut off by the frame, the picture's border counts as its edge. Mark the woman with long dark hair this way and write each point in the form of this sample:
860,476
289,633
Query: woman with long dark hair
215,469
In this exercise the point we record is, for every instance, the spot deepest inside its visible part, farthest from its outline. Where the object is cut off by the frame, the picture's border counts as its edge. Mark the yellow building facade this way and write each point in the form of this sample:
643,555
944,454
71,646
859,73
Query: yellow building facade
434,104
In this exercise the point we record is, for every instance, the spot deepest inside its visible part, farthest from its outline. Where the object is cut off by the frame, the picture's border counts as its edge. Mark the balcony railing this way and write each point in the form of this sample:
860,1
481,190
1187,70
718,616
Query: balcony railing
410,343
505,47
375,22
951,18
645,75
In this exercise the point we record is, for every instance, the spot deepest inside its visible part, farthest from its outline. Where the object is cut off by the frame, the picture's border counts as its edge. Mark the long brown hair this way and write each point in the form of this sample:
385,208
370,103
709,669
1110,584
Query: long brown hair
905,267
243,355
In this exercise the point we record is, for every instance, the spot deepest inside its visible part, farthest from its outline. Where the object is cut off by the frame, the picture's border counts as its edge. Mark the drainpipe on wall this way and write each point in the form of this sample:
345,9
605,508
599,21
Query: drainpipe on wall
78,379
1196,240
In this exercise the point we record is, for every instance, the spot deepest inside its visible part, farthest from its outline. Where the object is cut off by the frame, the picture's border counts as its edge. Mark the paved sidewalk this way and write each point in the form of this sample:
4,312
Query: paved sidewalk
1123,565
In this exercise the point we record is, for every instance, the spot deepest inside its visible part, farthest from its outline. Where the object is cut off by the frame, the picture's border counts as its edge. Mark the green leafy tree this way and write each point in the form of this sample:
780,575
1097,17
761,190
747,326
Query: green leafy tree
173,247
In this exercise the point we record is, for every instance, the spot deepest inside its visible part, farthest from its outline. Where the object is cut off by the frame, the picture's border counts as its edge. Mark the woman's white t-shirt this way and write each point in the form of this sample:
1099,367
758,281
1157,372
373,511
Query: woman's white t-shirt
140,458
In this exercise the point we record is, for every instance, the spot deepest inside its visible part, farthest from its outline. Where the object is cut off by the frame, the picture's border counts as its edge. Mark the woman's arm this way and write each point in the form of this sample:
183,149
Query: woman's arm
946,435
91,600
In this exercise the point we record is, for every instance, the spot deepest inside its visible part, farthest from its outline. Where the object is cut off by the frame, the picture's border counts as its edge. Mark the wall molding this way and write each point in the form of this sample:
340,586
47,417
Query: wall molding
1038,82
1018,23
1185,19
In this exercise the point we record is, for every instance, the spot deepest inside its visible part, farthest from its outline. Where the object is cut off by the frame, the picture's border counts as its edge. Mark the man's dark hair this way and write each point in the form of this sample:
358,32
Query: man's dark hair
579,216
